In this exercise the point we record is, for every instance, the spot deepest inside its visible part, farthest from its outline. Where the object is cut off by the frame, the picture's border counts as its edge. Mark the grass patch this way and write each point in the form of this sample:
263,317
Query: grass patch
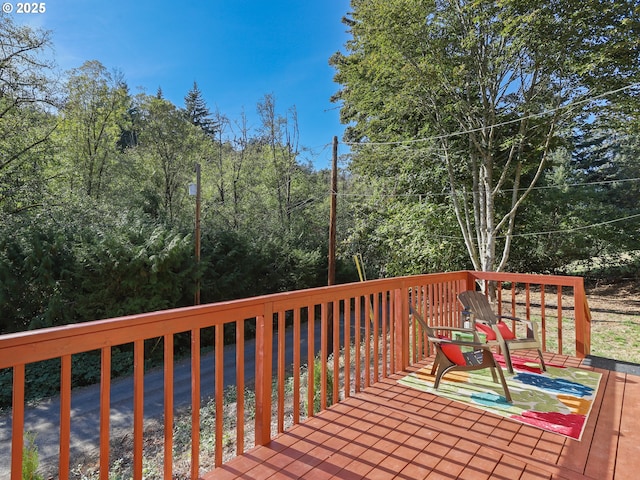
617,339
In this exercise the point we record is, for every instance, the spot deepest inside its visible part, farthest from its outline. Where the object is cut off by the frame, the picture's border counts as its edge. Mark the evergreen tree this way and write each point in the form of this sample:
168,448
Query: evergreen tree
197,111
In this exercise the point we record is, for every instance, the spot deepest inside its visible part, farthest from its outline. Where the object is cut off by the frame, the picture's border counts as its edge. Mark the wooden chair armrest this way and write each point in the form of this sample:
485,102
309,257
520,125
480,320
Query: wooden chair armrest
530,323
460,343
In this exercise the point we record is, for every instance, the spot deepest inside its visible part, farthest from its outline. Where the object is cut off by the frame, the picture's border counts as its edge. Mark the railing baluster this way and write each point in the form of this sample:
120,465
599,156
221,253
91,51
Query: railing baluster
451,299
65,418
392,332
376,337
240,387
367,343
195,403
138,407
311,340
401,326
281,372
357,341
324,354
17,421
543,318
105,411
560,335
296,366
336,351
264,374
437,304
219,388
385,340
415,336
528,301
431,309
347,348
424,310
168,406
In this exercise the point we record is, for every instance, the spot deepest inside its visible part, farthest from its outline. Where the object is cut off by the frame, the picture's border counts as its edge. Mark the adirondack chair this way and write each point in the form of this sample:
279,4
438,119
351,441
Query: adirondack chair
450,356
498,332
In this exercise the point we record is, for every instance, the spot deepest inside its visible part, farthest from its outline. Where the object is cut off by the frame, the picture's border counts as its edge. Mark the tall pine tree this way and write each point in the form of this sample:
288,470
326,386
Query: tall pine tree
197,111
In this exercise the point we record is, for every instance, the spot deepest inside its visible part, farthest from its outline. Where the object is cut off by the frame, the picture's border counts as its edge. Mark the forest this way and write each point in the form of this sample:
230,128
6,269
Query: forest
473,143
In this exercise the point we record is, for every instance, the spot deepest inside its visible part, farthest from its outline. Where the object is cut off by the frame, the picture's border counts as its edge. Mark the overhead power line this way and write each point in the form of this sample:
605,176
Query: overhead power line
501,124
546,187
549,232
575,229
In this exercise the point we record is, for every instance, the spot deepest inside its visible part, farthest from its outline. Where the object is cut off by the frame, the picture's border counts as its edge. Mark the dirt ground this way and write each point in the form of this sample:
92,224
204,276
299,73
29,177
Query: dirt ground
615,321
623,299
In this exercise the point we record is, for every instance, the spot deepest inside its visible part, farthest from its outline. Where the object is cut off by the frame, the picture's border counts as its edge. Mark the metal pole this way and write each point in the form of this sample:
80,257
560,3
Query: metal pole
197,294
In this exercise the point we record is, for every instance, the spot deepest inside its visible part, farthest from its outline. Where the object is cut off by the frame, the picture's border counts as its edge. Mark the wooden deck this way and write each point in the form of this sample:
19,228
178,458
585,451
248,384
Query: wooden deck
391,431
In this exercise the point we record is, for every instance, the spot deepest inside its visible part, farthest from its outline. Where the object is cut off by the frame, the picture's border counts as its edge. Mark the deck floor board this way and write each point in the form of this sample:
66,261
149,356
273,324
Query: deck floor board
389,431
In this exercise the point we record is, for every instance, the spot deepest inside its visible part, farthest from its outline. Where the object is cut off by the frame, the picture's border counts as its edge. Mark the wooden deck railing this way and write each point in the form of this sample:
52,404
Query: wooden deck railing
366,323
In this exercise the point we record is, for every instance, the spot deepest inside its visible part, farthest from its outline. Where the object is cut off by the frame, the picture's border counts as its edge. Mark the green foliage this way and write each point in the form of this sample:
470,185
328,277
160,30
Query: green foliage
317,385
403,238
170,145
36,265
26,123
140,267
83,271
96,221
30,459
90,127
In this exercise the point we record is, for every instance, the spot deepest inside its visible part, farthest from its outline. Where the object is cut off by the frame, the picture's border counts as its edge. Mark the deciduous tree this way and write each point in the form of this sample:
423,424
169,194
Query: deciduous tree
27,107
171,146
92,121
486,90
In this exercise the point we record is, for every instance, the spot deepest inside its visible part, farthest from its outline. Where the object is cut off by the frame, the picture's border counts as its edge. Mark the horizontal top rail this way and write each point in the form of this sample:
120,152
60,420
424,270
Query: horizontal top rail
551,280
53,342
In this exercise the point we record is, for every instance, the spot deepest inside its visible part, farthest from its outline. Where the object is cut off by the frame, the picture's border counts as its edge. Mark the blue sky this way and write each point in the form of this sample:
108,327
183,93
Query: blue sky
236,50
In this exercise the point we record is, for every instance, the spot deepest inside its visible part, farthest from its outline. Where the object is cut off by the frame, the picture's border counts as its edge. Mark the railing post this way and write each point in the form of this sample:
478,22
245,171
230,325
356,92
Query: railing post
401,320
469,281
264,367
582,319
17,430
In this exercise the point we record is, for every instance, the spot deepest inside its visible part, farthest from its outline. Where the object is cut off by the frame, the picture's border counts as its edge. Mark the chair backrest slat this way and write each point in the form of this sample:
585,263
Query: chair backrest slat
479,305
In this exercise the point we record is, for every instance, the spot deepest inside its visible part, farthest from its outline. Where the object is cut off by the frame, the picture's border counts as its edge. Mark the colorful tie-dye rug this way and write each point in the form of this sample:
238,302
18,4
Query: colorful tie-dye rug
558,400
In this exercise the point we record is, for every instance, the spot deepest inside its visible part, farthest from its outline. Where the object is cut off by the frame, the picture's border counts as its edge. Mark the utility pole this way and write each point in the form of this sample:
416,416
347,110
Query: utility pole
197,294
332,214
328,348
